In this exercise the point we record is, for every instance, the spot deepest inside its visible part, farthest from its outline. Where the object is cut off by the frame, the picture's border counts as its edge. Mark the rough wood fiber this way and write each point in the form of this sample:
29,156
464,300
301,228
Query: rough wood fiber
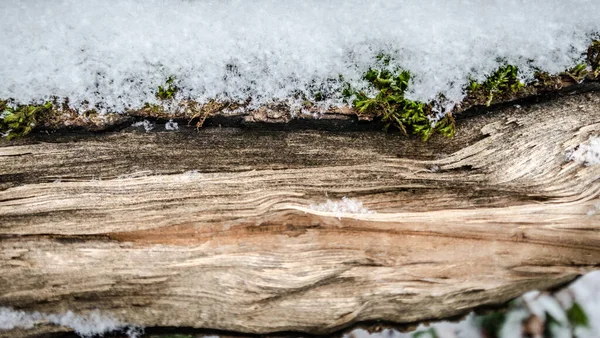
212,229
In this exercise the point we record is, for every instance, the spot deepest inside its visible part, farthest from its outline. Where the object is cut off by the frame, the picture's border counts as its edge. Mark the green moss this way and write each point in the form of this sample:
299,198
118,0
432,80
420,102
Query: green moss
168,90
577,316
492,323
389,103
430,333
153,109
502,82
577,73
21,120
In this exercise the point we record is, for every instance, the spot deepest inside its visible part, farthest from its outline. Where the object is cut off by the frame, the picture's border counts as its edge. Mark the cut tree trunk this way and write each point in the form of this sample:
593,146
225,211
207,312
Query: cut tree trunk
215,229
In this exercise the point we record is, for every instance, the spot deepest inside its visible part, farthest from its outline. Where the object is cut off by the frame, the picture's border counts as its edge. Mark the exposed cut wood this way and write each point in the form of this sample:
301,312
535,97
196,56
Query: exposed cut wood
213,229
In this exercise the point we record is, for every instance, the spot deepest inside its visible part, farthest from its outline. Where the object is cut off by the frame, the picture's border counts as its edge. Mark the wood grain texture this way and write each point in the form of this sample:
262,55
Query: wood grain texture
212,229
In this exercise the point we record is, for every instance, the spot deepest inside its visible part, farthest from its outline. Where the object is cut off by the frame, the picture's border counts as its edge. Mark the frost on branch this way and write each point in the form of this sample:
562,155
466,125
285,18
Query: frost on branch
587,153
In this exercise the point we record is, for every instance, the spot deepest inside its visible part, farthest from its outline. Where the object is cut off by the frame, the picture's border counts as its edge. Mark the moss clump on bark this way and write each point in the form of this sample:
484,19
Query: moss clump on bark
385,99
168,90
16,121
502,84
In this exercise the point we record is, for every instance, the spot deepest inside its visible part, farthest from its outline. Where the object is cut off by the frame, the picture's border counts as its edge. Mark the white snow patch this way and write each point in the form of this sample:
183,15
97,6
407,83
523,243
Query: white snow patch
587,153
539,304
339,208
148,126
91,324
10,319
116,53
171,125
586,291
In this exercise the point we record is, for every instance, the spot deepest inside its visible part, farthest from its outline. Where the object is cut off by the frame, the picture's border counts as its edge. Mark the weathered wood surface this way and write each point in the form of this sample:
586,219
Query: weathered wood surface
212,229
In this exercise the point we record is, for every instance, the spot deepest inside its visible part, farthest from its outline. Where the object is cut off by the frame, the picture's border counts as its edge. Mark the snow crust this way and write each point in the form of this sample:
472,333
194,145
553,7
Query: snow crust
92,324
116,53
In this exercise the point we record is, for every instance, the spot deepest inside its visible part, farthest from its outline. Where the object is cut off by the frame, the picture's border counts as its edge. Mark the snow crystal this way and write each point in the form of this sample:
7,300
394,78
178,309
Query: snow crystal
171,125
86,326
146,124
339,208
117,53
94,323
586,153
10,319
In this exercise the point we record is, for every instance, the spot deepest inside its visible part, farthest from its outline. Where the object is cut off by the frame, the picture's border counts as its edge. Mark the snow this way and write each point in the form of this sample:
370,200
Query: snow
586,291
171,126
340,208
10,319
92,324
116,53
539,304
587,153
86,326
147,125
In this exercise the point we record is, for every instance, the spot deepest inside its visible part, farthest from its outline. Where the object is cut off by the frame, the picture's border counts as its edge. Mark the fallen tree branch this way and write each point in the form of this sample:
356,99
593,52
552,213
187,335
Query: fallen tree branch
218,229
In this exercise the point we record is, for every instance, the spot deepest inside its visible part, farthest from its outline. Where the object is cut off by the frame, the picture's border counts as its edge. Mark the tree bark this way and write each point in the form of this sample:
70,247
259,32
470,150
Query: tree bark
214,229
